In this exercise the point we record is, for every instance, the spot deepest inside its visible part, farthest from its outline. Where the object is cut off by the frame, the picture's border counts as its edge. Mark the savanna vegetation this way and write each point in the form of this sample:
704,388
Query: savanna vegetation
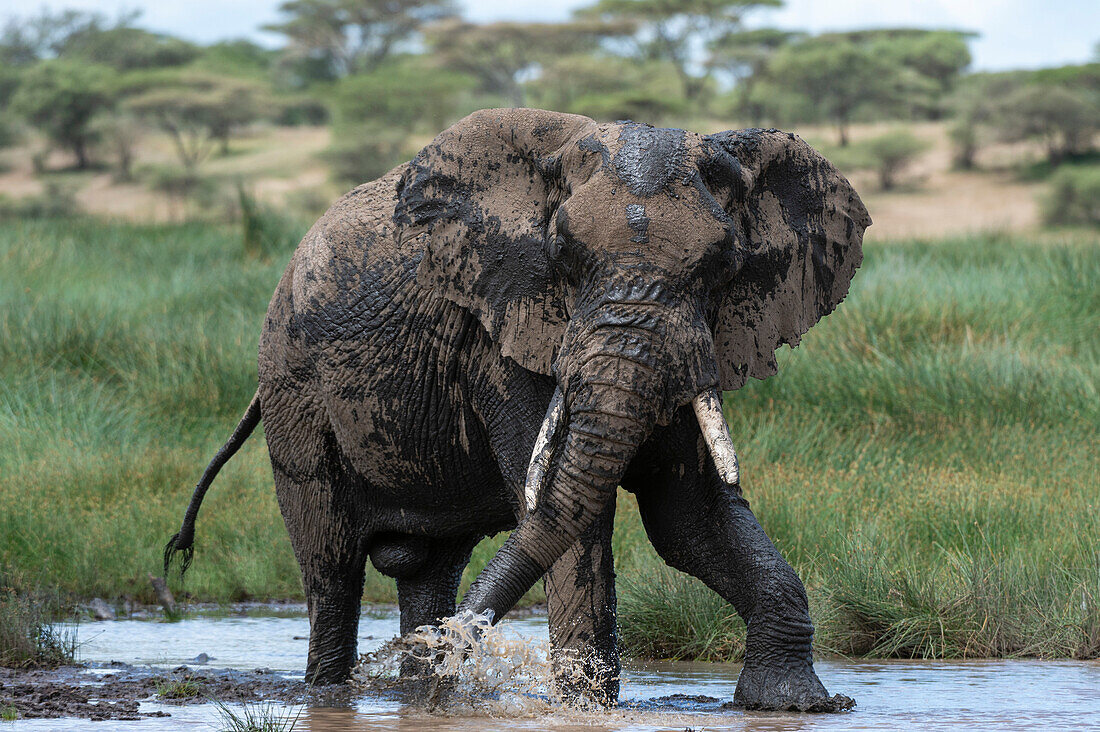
99,109
925,459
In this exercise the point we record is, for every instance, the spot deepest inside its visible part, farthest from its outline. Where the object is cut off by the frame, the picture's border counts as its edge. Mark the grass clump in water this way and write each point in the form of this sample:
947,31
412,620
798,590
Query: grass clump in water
176,689
256,718
9,714
29,637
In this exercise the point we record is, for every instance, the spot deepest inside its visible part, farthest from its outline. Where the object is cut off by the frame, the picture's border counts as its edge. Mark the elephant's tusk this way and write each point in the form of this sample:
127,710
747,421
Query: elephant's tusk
708,410
541,455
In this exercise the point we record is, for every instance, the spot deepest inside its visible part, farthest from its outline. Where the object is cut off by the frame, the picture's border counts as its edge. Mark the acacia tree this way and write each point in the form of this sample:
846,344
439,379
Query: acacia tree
744,57
350,36
498,54
607,87
197,111
61,98
670,30
836,76
24,41
1064,119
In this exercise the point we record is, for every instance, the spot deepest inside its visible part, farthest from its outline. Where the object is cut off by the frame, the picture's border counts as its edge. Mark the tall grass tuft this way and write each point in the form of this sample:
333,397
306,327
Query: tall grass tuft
256,718
667,614
29,637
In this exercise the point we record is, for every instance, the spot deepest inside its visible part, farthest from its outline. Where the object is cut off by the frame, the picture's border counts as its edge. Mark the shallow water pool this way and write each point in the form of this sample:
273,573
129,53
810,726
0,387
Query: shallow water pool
1000,695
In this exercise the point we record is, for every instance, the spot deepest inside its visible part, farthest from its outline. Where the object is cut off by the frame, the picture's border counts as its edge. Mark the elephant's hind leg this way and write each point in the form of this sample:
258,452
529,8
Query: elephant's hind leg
580,597
321,503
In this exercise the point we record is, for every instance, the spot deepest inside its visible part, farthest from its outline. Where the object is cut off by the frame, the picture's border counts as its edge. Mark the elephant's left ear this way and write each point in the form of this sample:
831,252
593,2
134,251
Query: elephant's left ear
481,197
801,225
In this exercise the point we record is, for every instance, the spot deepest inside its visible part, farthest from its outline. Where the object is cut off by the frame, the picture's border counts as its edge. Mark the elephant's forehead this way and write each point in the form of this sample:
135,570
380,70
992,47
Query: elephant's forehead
647,159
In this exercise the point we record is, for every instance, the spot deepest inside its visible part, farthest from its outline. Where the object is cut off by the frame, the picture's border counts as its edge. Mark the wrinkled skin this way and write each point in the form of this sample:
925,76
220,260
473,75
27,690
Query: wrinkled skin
414,343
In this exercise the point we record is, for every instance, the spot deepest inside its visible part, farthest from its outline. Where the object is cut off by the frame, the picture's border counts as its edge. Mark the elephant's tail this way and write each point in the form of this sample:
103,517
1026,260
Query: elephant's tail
184,540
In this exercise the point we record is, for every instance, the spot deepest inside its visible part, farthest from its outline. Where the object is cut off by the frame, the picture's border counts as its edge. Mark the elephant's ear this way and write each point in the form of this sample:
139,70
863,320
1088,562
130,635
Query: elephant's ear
482,195
801,224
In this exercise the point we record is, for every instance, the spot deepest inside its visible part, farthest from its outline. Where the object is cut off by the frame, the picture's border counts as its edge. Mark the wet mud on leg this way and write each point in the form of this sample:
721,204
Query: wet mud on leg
705,528
580,596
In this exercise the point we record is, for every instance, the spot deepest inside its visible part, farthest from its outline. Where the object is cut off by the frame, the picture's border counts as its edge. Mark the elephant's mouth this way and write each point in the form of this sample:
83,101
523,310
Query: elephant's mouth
708,411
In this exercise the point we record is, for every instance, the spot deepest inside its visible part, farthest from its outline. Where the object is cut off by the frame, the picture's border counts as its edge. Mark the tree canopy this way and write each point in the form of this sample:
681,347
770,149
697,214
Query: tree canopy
499,53
348,36
61,97
671,30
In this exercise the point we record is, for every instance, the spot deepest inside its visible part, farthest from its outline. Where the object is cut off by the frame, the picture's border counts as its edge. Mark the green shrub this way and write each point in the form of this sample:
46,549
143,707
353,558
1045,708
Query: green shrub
891,153
365,152
9,130
1073,197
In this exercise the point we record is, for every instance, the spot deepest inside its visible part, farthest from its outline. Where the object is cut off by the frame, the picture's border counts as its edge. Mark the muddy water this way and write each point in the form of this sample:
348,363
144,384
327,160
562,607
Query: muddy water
1004,695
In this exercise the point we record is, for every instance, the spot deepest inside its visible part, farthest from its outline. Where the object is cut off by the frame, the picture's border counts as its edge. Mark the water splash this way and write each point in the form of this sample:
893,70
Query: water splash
468,664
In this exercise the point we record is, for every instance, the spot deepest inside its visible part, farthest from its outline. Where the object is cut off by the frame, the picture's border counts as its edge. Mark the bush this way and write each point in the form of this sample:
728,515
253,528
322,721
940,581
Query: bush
9,130
365,152
264,232
181,186
891,153
1073,197
56,202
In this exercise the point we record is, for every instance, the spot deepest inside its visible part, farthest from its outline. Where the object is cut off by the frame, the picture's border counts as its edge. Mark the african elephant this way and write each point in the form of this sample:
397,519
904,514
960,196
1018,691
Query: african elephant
533,311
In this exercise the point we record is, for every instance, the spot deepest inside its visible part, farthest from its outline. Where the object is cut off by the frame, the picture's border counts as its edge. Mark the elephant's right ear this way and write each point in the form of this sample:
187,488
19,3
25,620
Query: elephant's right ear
801,227
482,195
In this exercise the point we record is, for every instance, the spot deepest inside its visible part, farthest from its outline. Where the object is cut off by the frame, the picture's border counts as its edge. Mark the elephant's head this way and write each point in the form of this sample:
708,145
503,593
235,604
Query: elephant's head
642,268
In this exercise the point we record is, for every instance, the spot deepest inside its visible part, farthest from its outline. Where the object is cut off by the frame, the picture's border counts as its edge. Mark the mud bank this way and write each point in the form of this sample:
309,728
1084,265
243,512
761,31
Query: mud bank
115,691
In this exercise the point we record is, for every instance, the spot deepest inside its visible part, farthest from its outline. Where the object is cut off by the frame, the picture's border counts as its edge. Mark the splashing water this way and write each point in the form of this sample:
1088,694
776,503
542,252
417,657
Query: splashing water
470,665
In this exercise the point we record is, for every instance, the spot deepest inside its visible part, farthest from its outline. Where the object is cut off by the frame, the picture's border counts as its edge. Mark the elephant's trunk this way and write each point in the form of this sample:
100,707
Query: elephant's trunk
611,392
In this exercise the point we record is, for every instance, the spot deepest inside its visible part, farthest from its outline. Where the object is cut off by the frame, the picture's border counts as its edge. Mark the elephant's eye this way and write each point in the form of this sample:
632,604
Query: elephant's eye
554,246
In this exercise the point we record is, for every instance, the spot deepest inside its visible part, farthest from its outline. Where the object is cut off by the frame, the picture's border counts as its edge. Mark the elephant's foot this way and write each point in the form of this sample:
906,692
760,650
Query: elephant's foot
323,672
586,682
330,663
784,688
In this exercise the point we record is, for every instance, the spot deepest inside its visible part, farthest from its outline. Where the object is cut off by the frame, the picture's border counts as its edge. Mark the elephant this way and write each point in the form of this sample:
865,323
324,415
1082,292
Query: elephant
497,335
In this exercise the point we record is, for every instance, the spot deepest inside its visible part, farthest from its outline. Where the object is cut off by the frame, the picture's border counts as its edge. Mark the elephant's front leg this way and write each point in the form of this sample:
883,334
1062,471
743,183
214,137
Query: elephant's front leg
580,596
702,526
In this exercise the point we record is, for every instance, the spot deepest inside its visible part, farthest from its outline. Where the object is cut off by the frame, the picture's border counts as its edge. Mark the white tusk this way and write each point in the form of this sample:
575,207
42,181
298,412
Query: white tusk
540,456
708,410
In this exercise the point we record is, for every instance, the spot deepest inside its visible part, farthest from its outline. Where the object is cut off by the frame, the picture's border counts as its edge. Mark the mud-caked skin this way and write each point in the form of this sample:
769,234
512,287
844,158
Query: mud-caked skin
427,321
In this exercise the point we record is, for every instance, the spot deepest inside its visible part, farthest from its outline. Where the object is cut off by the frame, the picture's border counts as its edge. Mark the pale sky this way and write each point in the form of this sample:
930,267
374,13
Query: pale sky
1014,33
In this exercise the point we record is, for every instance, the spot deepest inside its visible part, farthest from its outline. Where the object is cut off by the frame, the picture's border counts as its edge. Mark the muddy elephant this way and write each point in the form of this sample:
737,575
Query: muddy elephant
533,311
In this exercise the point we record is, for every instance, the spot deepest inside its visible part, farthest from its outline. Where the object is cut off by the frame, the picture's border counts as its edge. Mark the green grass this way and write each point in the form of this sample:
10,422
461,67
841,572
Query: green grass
29,635
256,718
175,689
926,459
